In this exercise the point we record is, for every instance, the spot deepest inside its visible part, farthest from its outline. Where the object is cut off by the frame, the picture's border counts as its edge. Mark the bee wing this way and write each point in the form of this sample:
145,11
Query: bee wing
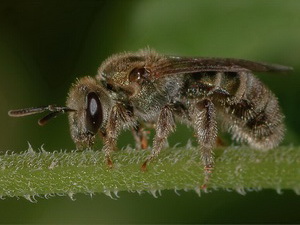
178,65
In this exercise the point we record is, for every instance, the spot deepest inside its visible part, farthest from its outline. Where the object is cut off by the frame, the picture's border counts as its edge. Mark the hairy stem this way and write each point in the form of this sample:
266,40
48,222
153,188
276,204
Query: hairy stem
66,173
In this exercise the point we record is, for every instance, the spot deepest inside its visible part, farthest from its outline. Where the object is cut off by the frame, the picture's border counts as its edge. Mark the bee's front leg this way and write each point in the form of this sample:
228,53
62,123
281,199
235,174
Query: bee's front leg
164,126
119,118
204,120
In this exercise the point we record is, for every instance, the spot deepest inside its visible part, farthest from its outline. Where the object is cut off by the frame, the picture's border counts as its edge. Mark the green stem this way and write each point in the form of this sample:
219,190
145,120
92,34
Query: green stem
44,173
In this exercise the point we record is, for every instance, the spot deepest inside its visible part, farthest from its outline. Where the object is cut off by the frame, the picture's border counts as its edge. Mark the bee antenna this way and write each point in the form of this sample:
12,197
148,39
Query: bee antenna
49,116
54,111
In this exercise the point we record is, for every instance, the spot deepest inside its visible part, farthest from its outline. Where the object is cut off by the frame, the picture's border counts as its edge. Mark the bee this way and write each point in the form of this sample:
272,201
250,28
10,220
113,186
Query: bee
146,87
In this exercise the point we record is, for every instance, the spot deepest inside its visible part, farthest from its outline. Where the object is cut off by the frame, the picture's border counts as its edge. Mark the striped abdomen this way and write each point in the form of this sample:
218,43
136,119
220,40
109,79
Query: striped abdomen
247,108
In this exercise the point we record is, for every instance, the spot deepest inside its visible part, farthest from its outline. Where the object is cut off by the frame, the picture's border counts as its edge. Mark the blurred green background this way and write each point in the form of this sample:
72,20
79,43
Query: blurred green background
46,45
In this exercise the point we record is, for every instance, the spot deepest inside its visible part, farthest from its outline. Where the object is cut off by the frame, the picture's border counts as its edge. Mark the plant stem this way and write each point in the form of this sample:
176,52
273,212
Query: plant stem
67,173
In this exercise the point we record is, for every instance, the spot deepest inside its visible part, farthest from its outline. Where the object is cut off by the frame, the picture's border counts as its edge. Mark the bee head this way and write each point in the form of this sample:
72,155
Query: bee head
87,107
91,105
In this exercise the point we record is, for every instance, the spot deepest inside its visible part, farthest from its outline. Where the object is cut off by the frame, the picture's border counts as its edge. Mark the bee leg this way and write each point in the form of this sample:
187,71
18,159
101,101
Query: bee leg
220,142
118,118
140,136
164,126
102,135
206,131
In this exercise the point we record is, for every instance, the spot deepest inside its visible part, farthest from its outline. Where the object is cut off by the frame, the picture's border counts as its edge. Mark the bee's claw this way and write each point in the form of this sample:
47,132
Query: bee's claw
208,169
109,163
144,166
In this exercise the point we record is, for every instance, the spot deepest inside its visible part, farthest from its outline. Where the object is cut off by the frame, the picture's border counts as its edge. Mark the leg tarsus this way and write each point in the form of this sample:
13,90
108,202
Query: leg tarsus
144,166
109,162
208,169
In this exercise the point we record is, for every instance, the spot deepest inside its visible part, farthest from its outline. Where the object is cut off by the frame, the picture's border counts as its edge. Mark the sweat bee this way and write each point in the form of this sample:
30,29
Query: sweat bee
146,87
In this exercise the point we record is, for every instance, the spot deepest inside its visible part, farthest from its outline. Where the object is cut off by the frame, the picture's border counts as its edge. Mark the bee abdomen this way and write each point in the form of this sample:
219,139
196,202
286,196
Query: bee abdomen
259,122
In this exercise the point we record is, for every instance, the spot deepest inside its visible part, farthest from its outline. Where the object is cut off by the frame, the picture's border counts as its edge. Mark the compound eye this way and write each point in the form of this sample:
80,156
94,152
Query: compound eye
94,113
137,74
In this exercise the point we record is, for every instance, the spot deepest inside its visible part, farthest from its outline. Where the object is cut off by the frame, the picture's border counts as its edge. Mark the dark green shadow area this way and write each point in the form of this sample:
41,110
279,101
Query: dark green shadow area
216,207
